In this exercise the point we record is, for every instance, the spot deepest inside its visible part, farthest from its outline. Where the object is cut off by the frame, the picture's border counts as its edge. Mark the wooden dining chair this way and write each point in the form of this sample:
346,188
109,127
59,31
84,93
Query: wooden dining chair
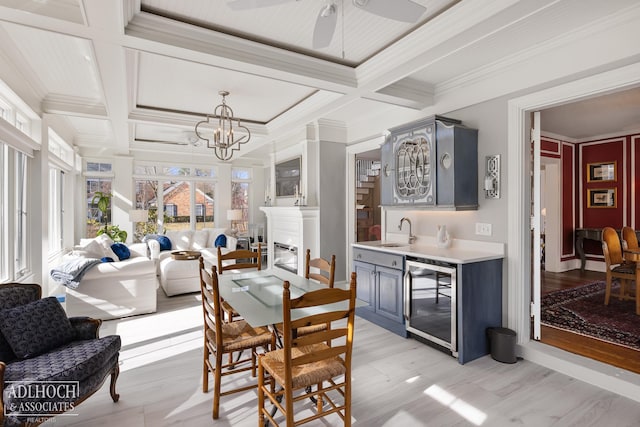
242,259
324,271
321,359
226,338
616,266
629,238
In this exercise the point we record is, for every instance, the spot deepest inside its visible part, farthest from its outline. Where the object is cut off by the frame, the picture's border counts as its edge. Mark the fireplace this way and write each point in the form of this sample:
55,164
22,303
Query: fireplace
285,256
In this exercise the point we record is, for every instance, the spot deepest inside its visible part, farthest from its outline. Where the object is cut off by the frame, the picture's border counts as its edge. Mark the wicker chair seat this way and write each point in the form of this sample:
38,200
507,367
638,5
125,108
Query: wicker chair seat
239,335
303,375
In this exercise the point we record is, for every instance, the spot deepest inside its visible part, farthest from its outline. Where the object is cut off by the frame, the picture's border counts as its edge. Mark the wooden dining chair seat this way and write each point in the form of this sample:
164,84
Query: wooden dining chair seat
317,365
615,265
222,338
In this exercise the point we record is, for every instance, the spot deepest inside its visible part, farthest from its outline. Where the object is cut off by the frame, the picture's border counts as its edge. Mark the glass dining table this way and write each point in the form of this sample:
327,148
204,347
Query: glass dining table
257,295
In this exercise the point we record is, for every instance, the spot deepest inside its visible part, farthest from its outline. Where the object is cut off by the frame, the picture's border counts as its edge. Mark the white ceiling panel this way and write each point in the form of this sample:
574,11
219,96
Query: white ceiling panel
359,34
64,64
162,134
506,35
67,10
191,87
606,114
89,126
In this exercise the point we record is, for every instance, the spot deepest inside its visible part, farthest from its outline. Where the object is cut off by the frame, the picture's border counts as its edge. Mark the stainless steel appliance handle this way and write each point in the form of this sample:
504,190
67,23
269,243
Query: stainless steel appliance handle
407,295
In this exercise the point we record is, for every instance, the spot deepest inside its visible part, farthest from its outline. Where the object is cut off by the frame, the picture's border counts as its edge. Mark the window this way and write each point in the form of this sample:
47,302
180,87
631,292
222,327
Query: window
240,185
171,210
98,167
185,194
56,209
22,123
99,177
21,227
94,216
146,198
204,204
5,110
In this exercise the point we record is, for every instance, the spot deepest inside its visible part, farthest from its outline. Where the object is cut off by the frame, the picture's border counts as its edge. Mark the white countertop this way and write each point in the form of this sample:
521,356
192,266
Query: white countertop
455,254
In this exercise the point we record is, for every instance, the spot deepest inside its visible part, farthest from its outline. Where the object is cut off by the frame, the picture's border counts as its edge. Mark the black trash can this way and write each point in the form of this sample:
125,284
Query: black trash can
503,344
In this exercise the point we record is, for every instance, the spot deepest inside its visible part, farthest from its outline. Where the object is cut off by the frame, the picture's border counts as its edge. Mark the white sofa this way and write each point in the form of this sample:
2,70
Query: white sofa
116,289
182,276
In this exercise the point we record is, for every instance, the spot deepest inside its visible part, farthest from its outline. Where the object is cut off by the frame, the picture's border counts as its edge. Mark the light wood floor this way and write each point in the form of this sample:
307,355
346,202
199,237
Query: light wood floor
396,382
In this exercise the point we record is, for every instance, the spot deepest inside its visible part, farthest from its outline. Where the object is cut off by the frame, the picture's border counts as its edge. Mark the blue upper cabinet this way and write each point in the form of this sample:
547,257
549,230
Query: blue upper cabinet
433,163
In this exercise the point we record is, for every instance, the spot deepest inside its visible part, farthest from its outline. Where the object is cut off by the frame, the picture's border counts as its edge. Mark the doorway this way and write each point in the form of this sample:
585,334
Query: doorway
551,272
367,196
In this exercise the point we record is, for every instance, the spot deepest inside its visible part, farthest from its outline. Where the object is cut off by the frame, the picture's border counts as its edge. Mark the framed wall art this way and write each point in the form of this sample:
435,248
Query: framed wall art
600,172
601,198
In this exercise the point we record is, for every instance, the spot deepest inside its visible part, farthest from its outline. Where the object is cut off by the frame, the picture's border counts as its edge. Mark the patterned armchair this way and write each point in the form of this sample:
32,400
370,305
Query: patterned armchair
48,363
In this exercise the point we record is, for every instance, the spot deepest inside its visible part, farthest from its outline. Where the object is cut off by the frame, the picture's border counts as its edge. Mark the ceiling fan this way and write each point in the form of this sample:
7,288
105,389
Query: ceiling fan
398,10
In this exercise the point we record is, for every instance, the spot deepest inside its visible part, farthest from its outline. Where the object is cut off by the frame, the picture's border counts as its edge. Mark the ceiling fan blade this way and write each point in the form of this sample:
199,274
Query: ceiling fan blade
254,4
398,10
325,26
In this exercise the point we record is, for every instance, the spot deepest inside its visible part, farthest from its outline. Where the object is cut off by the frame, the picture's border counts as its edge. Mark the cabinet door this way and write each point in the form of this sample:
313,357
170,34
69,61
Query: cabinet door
366,277
389,293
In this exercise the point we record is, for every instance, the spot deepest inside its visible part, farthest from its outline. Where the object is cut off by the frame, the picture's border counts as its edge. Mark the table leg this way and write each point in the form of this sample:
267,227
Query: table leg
580,250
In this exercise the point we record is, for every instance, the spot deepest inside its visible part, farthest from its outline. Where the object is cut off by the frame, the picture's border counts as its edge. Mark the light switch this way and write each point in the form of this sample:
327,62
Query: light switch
483,229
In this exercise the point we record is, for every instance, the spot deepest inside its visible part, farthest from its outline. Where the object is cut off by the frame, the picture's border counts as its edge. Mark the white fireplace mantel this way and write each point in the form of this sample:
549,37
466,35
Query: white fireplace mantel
294,226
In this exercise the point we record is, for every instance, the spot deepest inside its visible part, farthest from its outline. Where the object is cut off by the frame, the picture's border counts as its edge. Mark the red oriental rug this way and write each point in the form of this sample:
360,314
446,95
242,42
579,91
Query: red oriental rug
582,310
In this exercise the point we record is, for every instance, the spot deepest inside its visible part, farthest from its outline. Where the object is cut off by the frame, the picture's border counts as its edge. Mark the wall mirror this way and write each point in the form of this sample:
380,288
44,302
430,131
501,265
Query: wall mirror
288,177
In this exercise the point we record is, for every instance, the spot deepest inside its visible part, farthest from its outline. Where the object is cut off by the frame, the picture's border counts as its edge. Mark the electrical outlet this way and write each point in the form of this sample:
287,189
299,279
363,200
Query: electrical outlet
483,229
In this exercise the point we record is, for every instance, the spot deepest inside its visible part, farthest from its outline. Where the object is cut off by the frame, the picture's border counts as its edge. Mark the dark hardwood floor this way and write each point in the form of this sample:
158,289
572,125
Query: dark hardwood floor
607,352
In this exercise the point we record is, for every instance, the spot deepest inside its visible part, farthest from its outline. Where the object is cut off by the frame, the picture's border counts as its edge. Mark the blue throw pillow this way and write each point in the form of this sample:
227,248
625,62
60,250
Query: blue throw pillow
221,241
121,250
36,328
106,259
165,243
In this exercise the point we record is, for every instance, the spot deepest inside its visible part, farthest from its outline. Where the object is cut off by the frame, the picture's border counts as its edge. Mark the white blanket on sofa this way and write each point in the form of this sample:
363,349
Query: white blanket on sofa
70,273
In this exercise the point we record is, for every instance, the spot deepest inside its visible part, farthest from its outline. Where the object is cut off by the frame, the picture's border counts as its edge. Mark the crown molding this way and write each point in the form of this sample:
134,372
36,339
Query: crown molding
74,106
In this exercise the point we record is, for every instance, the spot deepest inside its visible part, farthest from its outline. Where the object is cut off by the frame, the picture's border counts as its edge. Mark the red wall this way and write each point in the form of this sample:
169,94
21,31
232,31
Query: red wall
574,158
611,150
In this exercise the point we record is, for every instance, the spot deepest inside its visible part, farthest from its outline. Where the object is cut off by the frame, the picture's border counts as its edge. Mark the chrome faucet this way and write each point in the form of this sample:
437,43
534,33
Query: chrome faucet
412,238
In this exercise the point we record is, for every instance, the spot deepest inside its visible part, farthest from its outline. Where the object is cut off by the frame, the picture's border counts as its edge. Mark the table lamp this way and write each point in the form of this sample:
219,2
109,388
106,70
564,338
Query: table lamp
136,216
234,215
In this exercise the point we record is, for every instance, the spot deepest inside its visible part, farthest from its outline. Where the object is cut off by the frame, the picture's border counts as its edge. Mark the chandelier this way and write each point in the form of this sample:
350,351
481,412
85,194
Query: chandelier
221,135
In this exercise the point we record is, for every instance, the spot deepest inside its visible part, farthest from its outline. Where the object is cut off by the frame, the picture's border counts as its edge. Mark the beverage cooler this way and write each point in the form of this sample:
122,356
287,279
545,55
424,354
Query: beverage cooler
430,302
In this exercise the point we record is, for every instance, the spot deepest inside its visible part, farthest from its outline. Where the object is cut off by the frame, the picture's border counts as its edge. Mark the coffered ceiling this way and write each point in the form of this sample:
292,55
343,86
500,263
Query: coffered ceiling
135,76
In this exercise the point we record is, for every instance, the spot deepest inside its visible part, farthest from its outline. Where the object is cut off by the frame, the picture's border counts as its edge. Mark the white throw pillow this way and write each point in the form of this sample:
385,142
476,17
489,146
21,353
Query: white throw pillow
93,250
232,242
200,240
180,240
106,243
